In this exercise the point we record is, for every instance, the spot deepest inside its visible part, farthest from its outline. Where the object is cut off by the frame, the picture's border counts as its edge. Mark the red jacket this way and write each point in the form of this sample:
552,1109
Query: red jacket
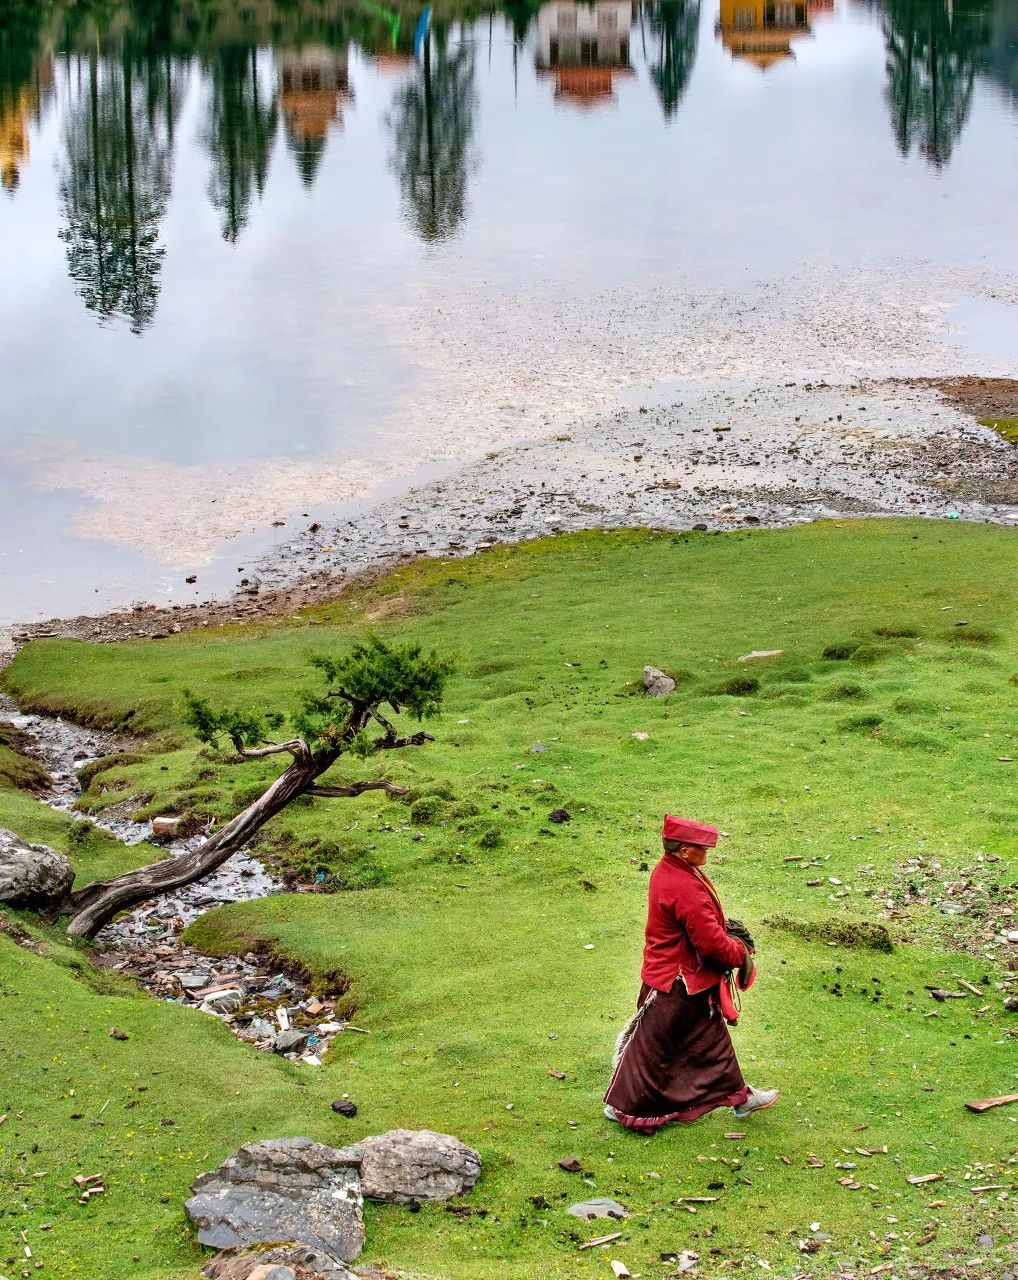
686,930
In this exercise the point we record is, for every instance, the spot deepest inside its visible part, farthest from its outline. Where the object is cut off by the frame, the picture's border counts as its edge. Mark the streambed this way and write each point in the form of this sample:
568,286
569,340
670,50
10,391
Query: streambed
274,1010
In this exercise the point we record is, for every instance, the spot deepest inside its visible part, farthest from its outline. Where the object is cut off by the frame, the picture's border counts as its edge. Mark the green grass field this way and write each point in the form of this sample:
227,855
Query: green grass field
487,948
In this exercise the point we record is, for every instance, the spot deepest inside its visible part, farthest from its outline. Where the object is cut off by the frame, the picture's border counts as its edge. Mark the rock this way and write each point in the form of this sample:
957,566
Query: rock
31,875
405,1165
656,683
291,1041
761,653
591,1209
560,815
283,1189
344,1107
223,1002
1011,1004
165,828
278,1262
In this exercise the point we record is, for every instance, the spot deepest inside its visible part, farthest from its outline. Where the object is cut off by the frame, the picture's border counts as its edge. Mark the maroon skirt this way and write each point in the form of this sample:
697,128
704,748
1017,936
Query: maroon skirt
677,1064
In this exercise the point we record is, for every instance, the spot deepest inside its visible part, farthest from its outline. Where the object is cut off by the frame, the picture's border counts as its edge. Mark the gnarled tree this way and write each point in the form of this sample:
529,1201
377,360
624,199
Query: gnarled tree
346,718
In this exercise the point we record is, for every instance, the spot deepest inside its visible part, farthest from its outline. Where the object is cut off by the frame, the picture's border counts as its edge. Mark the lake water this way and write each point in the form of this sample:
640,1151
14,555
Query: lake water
258,259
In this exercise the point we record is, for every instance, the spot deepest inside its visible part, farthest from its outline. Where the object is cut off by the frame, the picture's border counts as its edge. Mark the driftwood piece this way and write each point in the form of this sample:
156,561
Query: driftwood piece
987,1104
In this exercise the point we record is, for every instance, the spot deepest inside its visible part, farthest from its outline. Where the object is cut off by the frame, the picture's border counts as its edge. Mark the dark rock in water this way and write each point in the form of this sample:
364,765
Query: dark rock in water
344,1107
277,1262
31,875
560,815
284,1189
291,1041
405,1165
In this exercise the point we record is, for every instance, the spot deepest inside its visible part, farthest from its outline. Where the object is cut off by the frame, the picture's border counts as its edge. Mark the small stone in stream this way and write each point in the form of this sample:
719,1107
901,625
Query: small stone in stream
591,1209
191,577
31,875
344,1107
289,1189
406,1165
560,815
224,1002
656,683
291,1041
165,828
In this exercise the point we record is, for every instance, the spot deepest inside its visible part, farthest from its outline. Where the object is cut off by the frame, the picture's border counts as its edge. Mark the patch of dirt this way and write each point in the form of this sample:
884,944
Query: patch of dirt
980,397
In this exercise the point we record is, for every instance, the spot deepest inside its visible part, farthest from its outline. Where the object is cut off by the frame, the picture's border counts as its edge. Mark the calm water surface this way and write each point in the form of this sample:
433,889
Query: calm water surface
213,216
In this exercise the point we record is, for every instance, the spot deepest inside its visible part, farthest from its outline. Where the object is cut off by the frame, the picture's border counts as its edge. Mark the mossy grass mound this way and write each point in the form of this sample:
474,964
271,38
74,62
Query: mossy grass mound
480,962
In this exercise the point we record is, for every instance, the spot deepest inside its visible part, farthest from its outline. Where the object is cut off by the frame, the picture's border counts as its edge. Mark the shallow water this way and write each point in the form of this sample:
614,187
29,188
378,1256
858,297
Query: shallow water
251,269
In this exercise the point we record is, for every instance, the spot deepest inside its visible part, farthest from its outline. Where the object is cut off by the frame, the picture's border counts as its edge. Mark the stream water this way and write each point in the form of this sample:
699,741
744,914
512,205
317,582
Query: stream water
274,1010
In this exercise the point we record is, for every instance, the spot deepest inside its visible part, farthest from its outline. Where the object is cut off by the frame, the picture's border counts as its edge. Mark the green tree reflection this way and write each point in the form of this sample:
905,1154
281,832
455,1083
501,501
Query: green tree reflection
115,182
432,124
674,28
933,50
239,134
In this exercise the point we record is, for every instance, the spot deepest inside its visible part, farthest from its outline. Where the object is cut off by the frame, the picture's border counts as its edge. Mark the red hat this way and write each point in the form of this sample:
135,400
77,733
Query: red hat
689,832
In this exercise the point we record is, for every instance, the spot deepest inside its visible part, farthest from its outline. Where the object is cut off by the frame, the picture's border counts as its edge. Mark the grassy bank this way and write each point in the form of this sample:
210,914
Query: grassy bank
488,947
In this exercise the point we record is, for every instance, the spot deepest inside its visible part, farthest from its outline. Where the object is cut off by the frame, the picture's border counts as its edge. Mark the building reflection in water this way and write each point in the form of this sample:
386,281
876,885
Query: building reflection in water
761,31
314,85
583,47
21,107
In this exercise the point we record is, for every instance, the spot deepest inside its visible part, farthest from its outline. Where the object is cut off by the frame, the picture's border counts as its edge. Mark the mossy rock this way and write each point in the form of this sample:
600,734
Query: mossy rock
865,722
844,691
736,687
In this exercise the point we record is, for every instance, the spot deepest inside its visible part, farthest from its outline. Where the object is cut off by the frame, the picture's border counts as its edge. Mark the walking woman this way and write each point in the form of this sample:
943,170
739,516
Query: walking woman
675,1060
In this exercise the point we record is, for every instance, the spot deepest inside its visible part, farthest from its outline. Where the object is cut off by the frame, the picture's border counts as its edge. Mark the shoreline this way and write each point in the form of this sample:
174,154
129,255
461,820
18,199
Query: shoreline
735,456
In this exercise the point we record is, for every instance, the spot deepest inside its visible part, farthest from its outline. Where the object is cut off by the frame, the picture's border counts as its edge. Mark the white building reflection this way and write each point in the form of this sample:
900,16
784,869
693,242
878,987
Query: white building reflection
583,47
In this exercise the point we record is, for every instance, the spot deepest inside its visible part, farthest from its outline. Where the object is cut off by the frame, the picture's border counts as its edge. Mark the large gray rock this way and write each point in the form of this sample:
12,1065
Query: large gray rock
656,683
276,1262
404,1165
285,1189
31,875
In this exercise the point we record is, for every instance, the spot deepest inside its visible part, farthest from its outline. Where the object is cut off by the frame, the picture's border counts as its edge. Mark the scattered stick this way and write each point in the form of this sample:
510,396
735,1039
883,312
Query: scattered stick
593,1244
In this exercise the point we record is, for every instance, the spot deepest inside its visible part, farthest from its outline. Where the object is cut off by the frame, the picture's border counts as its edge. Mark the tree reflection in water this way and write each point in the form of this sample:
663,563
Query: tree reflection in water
239,134
674,27
115,181
432,124
933,50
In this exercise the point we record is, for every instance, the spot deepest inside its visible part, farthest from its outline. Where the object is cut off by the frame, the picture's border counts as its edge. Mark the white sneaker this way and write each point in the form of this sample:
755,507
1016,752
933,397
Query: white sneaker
758,1100
610,1113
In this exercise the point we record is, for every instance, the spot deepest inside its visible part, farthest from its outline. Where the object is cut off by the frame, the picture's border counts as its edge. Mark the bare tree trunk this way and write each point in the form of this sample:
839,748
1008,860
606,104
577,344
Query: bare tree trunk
98,903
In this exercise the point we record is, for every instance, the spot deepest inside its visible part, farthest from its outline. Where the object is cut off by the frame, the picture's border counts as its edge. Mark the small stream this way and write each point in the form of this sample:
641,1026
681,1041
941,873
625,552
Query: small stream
272,1010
